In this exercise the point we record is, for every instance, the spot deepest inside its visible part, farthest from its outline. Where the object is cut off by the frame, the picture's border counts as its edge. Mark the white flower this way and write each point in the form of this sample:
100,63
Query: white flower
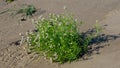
32,20
40,17
20,34
44,54
96,21
65,34
51,46
36,22
59,24
64,7
51,60
71,43
55,54
50,14
58,16
46,35
76,20
56,19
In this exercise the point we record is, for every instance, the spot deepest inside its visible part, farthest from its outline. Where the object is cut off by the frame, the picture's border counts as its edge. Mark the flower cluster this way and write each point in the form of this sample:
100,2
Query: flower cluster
56,38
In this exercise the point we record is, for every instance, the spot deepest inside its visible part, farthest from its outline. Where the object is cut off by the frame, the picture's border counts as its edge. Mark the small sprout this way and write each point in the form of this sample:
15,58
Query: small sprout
27,10
30,10
9,1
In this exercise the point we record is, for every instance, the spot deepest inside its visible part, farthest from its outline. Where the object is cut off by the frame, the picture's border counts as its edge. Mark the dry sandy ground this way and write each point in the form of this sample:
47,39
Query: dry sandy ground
107,12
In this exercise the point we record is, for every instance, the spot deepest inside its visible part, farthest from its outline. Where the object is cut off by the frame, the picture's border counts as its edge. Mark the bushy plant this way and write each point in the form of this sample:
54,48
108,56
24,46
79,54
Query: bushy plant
57,38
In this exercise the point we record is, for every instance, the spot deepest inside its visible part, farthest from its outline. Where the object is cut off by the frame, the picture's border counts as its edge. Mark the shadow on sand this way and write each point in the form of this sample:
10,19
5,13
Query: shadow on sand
98,42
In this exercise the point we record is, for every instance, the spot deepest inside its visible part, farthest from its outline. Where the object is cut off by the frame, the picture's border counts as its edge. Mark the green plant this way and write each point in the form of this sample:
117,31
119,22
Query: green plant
28,10
57,38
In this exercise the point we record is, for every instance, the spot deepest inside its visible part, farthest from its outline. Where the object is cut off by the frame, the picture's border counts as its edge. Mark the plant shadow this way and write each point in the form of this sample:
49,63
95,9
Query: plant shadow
97,42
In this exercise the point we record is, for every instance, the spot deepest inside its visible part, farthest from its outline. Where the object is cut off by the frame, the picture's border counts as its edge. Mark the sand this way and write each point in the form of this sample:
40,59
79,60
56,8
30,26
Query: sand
107,12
